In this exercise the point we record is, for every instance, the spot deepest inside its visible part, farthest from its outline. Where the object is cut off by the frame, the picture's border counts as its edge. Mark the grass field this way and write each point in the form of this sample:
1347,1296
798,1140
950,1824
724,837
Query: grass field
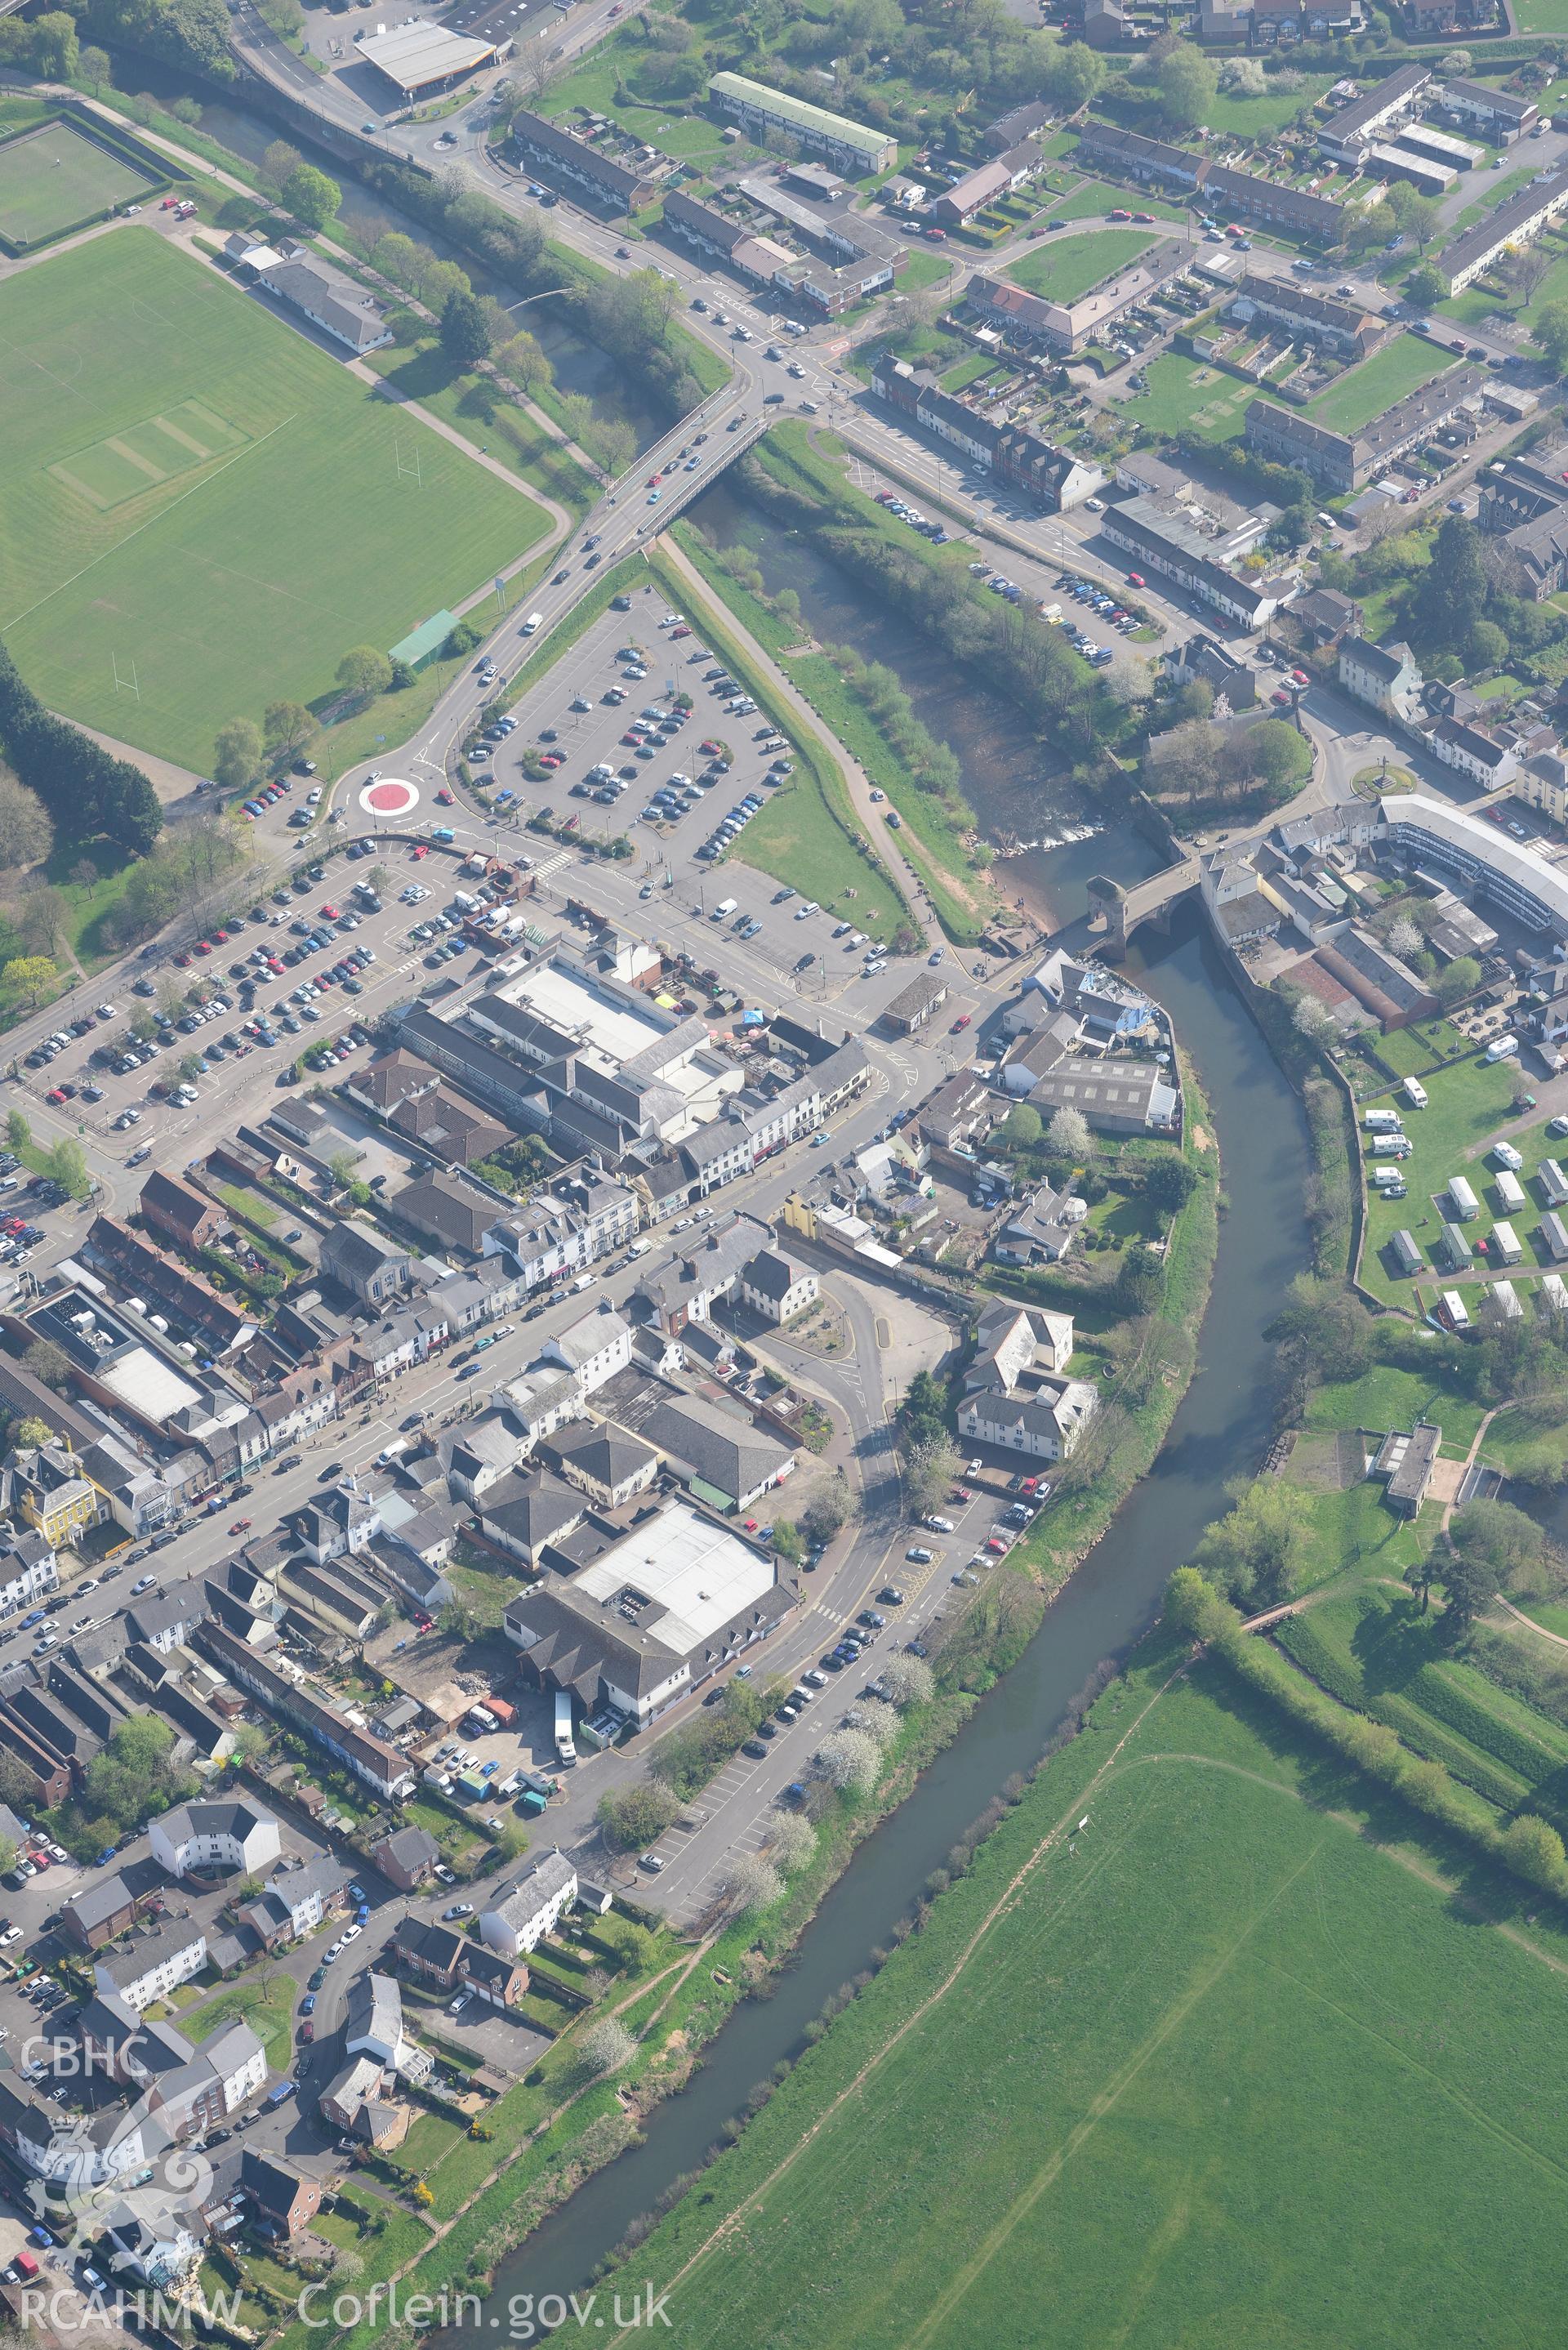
1401,367
1466,1104
1184,396
203,504
1221,2071
1065,266
1096,199
55,178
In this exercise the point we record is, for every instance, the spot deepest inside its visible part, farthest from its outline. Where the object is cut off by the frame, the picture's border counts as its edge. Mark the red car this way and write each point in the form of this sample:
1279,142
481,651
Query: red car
55,1093
1144,217
421,850
241,1526
960,1493
553,759
443,797
1136,579
220,938
184,958
1120,212
709,748
1281,699
204,946
961,1022
331,914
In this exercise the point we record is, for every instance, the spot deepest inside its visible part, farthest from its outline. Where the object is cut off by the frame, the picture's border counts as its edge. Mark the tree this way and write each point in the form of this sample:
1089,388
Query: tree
1068,1133
850,1759
1416,214
288,727
828,1506
909,1680
18,1130
1525,268
311,196
364,672
1315,1021
28,975
877,1719
923,1414
56,56
606,2045
1469,1584
1508,1538
1255,1552
792,1840
750,1883
1022,1129
237,753
1404,939
278,164
631,1818
66,1164
1170,1183
1276,755
344,1165
465,335
1187,84
1486,648
95,68
1425,284
1462,978
1194,1607
1451,594
48,1363
1534,1849
523,357
30,1432
1549,333
929,1470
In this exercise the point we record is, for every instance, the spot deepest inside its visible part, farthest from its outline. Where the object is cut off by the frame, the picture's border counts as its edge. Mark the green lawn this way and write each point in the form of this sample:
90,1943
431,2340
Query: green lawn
1259,117
1467,1104
470,408
268,2008
1401,367
1061,268
1386,1397
1218,2071
1184,395
55,178
1096,200
204,506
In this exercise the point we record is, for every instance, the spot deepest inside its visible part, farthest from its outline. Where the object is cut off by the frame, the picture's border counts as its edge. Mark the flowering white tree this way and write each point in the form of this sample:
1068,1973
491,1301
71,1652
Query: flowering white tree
877,1720
792,1840
1068,1132
849,1758
750,1883
909,1680
606,2045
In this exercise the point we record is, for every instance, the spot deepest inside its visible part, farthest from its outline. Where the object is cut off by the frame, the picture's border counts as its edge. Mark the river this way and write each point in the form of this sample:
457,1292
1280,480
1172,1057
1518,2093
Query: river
1014,783
1219,1432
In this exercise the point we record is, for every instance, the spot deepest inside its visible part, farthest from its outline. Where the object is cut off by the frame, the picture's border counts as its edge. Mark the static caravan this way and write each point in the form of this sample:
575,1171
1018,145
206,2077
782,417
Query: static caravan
1462,1200
1501,1048
1406,1255
1554,1233
1503,1247
1554,1182
1382,1121
1553,1294
1457,1250
1415,1093
1452,1309
1506,1302
1511,1193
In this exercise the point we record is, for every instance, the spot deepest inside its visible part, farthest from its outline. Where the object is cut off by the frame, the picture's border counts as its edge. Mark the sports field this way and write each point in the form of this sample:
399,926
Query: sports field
204,510
1222,2069
1062,267
1400,368
55,178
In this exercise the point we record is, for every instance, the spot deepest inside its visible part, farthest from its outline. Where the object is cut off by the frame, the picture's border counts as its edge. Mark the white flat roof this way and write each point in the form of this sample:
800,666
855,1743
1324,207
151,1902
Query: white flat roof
612,1032
145,1380
695,1575
416,54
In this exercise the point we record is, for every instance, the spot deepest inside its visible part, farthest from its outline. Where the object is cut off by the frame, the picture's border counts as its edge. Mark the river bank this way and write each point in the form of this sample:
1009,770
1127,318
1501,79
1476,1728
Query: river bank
742,1963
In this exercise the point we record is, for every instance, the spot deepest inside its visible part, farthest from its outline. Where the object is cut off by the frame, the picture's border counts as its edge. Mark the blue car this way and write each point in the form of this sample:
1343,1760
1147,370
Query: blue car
308,2004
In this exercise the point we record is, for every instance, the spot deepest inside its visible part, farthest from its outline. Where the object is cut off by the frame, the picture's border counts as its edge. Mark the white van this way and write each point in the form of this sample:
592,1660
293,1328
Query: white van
393,1452
534,620
725,907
